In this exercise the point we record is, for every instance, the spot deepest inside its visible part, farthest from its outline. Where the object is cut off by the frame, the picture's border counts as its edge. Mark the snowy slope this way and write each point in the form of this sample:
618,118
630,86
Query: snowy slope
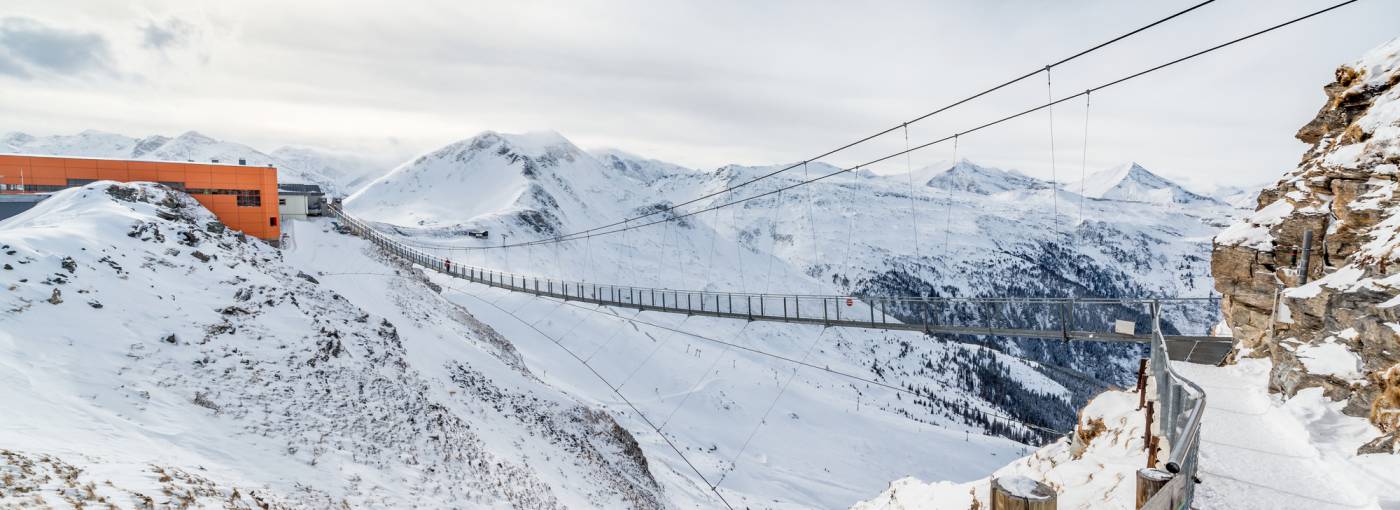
1240,197
1133,183
797,242
334,171
142,338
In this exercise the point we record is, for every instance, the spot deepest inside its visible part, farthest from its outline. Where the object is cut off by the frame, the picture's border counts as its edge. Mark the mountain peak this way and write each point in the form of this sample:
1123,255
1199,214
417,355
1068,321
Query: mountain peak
965,175
1132,182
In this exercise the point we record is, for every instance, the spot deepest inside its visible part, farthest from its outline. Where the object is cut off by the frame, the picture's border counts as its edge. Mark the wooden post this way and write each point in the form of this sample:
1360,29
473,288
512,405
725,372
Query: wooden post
1148,440
1142,382
1016,492
1149,482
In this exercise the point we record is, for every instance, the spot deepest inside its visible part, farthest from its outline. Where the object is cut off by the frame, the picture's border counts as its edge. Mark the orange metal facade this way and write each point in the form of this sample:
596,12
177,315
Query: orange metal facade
243,197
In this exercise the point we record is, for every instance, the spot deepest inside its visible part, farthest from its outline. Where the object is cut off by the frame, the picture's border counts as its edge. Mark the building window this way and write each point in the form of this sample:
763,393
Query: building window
281,201
73,183
272,222
172,185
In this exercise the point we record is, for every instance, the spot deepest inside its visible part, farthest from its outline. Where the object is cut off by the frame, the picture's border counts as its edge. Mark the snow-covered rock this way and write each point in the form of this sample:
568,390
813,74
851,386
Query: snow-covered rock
1336,331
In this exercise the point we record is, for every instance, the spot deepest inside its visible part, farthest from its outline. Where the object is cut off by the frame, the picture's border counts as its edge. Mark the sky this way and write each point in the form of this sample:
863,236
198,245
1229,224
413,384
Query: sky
699,84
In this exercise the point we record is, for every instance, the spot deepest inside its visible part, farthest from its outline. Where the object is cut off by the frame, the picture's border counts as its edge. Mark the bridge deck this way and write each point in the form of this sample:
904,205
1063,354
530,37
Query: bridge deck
831,311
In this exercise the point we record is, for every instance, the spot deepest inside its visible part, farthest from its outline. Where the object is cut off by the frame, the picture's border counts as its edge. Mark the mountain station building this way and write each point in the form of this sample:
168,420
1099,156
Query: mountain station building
243,197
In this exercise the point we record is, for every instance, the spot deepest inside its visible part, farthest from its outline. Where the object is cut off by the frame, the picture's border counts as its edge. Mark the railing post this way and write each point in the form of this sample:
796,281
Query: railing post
784,308
826,317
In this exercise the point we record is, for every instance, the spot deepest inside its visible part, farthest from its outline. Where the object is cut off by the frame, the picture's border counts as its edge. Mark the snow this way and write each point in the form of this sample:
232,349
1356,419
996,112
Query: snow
1331,358
710,396
461,181
1254,230
1099,474
1021,487
179,347
1260,452
1133,183
983,180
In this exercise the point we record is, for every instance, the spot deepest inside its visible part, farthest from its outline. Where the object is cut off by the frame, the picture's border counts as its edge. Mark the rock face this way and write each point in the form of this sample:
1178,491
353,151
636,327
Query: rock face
1338,326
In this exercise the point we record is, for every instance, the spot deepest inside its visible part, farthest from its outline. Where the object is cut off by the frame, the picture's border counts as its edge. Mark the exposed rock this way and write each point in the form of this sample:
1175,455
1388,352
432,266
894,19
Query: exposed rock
307,277
1345,192
56,297
200,255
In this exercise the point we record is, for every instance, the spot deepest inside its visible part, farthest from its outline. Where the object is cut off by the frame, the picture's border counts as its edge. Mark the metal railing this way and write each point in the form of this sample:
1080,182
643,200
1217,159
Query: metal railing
1181,407
1057,318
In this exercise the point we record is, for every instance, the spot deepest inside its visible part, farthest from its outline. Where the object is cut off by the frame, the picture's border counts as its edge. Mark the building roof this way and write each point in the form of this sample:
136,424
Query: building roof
309,189
132,160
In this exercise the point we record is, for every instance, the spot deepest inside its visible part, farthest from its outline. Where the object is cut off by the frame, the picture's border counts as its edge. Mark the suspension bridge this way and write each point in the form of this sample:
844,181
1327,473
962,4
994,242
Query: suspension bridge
1180,403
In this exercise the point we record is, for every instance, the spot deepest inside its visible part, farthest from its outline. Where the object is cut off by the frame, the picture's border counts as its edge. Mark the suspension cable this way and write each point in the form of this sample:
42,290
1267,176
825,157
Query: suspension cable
913,211
948,215
1054,172
905,123
600,231
1084,158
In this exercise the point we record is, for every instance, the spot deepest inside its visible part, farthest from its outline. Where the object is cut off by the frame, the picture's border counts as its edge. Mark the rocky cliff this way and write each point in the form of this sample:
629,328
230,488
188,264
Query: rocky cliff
1336,325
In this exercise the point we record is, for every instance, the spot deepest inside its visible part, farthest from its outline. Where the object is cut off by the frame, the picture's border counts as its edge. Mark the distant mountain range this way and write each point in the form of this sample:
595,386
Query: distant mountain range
337,172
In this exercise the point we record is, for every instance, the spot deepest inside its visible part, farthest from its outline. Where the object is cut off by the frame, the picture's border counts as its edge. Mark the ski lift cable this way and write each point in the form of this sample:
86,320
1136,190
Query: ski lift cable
734,462
617,391
700,380
802,363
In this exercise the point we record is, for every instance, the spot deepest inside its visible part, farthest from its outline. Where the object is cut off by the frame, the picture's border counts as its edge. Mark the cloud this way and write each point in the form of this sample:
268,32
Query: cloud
29,47
170,34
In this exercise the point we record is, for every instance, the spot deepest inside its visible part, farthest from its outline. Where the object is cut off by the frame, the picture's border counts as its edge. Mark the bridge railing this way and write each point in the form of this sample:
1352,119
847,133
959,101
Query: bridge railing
1086,319
1180,408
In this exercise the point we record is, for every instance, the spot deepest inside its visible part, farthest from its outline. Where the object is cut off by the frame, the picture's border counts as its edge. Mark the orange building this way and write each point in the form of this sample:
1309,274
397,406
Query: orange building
243,197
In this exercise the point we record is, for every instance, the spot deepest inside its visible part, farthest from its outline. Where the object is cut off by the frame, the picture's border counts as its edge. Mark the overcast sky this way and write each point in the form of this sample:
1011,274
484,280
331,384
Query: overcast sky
695,83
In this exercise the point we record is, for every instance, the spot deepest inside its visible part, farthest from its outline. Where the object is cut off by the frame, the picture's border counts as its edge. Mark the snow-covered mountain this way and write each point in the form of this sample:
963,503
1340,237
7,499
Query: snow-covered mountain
983,180
158,359
743,419
1240,197
336,172
849,234
1133,183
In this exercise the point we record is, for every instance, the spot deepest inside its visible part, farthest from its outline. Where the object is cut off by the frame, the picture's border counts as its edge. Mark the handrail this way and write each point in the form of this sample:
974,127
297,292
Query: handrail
887,298
1183,405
